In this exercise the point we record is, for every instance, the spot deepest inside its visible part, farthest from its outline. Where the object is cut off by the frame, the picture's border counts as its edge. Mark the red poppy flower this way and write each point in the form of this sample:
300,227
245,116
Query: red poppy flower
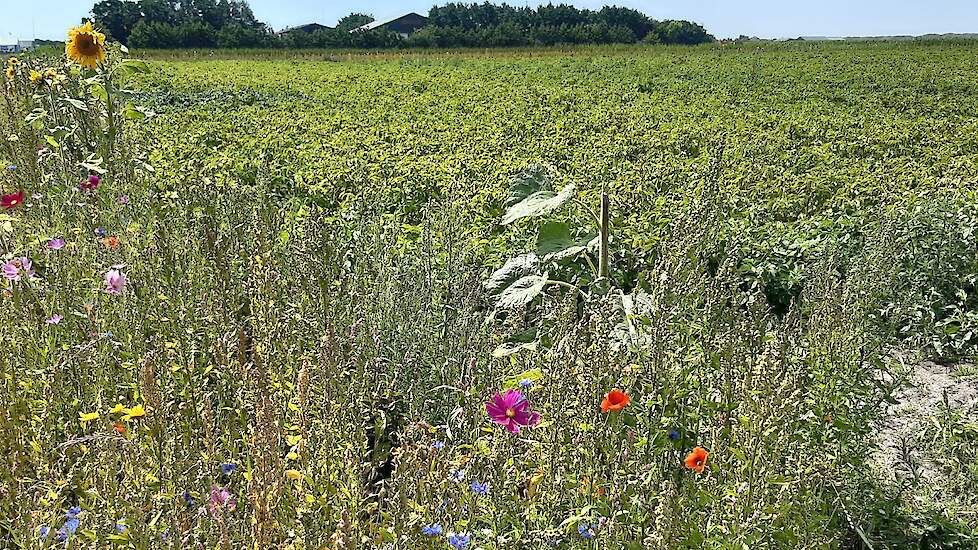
118,427
615,400
111,242
696,460
12,200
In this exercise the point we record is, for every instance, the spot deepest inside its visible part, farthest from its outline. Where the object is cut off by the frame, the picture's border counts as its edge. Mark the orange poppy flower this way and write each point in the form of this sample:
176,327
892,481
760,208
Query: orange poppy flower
111,242
118,427
696,460
615,400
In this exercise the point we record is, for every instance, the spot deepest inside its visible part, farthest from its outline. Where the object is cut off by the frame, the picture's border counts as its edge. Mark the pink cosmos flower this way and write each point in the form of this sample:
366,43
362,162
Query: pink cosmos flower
17,268
90,184
13,200
221,498
54,319
512,410
115,281
56,244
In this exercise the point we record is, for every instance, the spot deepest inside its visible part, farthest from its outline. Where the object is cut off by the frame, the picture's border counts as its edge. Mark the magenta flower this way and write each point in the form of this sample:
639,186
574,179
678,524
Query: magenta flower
56,244
17,269
115,282
512,410
221,498
90,184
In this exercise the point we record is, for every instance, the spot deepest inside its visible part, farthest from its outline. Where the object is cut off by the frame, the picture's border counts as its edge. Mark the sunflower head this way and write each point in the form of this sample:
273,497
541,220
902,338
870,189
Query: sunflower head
11,73
85,46
36,76
11,61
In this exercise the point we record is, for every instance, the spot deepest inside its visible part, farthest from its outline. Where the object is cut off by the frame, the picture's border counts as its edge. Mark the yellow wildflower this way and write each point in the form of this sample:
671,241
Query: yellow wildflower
88,417
85,46
36,76
117,409
11,73
134,412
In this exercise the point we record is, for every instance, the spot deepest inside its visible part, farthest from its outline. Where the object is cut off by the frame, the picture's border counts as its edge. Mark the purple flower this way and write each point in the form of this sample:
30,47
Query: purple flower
586,531
71,525
17,268
673,435
439,445
479,488
188,499
72,512
123,199
221,498
54,319
432,530
12,167
458,541
526,383
120,525
43,531
100,232
56,244
512,410
228,468
115,282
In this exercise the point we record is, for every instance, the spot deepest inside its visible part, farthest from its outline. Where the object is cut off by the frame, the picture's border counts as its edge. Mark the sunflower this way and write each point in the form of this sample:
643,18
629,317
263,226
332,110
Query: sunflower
11,73
36,76
85,46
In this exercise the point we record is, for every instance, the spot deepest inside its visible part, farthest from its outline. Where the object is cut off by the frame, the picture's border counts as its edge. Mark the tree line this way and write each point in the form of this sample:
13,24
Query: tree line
232,24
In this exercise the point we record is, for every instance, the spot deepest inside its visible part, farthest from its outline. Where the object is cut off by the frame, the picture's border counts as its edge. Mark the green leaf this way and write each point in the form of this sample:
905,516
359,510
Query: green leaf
132,112
98,91
51,141
538,204
535,178
133,66
526,340
76,103
523,291
513,269
555,242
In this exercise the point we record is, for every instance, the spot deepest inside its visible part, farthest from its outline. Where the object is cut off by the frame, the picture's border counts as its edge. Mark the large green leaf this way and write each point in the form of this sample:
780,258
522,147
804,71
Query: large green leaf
526,340
555,242
538,204
523,291
514,269
535,178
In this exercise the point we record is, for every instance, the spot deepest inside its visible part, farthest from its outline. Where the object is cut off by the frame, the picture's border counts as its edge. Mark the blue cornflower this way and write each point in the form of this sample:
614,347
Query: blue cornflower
62,535
165,535
438,445
458,541
188,499
432,530
43,531
73,512
120,525
480,488
101,232
71,525
673,435
457,476
526,383
586,531
12,167
228,467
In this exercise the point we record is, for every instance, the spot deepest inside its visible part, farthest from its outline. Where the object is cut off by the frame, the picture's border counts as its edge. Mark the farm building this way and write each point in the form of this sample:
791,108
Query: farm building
404,25
11,45
308,28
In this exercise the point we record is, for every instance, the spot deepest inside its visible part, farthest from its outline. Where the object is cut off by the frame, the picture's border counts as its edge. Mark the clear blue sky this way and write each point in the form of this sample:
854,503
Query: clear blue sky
723,18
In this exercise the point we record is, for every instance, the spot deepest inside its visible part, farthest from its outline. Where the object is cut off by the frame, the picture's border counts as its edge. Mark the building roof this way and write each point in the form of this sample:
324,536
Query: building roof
8,41
308,27
381,23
